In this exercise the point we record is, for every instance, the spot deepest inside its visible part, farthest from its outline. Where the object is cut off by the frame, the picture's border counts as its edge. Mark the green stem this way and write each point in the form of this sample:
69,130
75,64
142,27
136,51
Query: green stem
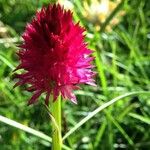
56,125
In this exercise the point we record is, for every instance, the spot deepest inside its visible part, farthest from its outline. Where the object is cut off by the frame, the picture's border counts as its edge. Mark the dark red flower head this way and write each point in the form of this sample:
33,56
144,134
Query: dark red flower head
54,55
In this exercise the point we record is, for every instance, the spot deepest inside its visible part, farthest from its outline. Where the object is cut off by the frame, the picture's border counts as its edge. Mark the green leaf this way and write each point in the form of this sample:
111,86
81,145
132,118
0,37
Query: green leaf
28,130
100,108
141,118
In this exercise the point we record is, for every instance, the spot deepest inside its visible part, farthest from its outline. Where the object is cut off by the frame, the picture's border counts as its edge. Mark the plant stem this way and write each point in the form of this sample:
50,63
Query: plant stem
56,125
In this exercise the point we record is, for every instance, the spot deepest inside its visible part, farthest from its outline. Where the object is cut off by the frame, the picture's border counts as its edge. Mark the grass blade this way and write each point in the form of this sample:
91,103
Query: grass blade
100,134
28,130
102,107
120,129
6,61
139,117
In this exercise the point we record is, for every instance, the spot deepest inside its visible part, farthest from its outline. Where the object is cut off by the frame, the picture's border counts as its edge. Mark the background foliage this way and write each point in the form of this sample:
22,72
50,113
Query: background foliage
122,63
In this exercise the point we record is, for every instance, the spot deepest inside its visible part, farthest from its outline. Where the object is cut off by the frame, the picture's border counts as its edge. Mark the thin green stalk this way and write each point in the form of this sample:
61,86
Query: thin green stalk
56,125
101,72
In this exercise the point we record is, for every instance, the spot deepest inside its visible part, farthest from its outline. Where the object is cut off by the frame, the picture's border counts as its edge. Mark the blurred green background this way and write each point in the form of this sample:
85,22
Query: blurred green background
119,34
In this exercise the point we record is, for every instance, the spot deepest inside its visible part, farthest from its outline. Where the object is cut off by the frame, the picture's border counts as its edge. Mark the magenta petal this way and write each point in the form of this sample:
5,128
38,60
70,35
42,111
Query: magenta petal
34,97
67,92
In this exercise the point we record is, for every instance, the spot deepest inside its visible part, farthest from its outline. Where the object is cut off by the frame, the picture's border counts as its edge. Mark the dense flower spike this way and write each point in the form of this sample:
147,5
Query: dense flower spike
54,55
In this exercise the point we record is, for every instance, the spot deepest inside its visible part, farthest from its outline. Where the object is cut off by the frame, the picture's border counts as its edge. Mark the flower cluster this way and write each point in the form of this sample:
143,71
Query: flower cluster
54,55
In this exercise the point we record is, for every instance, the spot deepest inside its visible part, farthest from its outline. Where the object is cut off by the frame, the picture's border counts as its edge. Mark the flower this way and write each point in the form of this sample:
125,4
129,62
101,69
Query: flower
98,11
54,55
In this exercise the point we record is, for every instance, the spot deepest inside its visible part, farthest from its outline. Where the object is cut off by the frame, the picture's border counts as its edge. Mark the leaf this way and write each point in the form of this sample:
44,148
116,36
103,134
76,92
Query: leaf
28,130
141,118
100,108
7,62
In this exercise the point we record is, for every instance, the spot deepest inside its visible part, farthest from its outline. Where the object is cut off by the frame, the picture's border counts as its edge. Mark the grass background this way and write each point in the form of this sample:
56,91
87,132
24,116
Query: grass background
122,62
